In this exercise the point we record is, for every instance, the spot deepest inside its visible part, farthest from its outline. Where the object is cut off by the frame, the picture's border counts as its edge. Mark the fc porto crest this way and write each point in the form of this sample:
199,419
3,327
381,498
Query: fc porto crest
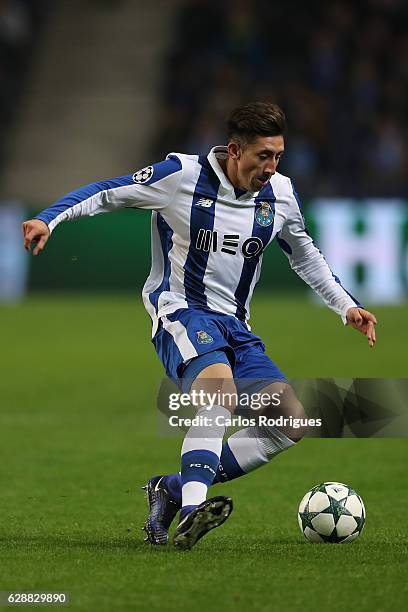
204,338
264,215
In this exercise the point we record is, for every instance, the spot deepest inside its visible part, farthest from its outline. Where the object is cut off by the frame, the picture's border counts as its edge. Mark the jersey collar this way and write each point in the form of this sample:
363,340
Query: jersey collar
220,152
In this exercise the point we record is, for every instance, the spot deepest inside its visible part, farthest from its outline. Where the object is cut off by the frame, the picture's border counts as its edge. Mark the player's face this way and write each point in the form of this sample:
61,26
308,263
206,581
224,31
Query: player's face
255,163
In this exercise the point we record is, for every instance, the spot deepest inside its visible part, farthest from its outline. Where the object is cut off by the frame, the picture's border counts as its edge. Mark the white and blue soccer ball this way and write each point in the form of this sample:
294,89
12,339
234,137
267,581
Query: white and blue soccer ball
331,512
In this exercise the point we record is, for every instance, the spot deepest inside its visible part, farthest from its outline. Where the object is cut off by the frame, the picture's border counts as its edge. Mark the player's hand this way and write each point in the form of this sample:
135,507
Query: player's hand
35,231
364,322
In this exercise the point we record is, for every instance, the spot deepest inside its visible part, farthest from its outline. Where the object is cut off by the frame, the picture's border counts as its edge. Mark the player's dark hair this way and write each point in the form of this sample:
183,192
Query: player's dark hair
246,123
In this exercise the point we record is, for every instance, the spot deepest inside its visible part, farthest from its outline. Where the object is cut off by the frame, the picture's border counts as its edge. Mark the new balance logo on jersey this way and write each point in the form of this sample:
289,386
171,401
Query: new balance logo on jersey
204,202
208,240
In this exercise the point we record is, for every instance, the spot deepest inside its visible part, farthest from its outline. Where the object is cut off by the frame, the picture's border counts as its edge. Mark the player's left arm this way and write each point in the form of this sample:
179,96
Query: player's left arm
309,263
363,321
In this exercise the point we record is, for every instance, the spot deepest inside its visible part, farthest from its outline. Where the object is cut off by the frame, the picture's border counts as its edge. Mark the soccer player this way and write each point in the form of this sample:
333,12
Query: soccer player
213,216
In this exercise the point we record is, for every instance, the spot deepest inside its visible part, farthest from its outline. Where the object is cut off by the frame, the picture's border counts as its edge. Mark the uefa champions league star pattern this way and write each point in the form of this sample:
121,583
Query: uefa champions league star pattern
331,512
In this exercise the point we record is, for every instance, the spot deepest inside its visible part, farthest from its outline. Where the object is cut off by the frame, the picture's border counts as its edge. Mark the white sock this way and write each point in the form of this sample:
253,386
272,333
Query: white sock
255,446
200,454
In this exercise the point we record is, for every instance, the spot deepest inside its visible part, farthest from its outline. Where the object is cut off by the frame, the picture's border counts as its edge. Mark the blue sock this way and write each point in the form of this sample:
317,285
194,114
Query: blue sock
200,453
228,469
198,469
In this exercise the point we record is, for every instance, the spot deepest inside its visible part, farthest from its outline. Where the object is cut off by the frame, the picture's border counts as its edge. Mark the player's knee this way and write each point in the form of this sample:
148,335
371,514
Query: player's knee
297,431
287,411
215,385
297,423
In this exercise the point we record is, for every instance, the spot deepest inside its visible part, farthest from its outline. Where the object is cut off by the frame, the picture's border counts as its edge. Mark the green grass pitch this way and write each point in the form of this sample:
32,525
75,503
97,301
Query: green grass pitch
79,438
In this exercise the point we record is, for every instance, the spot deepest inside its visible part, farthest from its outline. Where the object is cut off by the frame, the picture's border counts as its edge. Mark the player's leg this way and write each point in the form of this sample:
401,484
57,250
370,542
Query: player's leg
252,447
201,450
200,455
187,342
254,373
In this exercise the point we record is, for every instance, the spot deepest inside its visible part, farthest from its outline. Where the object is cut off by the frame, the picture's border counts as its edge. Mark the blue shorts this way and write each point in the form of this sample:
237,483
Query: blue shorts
189,333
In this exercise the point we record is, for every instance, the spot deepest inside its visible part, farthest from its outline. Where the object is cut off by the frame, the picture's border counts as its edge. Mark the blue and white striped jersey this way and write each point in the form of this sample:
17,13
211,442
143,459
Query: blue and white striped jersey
207,239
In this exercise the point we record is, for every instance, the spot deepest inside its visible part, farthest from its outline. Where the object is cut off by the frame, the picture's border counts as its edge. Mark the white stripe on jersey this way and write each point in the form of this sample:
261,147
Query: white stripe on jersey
181,243
233,226
156,271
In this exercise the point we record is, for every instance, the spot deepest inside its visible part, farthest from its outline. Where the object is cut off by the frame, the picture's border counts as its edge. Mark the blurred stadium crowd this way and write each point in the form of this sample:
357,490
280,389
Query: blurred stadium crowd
20,22
339,69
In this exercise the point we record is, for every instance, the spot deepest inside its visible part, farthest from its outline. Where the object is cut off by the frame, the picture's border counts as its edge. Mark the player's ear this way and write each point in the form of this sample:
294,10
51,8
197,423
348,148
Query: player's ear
234,150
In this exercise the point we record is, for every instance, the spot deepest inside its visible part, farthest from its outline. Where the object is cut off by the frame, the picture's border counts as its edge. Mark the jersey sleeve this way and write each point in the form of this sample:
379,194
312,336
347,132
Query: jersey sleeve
152,188
309,263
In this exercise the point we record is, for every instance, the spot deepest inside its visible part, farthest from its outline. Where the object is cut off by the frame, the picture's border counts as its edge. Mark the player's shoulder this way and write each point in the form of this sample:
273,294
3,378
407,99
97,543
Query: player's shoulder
169,172
190,165
165,169
185,160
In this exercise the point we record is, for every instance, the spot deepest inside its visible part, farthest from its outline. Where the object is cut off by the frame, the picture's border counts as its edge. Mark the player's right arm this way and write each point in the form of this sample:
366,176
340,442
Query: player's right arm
151,188
35,232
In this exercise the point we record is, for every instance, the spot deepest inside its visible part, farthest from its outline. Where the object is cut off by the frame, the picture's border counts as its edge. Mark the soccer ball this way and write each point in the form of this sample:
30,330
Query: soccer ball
331,512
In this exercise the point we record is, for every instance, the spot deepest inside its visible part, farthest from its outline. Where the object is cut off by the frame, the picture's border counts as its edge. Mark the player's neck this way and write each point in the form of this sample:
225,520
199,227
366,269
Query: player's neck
230,172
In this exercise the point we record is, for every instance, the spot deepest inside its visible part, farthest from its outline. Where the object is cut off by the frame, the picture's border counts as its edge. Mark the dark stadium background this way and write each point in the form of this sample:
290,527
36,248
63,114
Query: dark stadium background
100,88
